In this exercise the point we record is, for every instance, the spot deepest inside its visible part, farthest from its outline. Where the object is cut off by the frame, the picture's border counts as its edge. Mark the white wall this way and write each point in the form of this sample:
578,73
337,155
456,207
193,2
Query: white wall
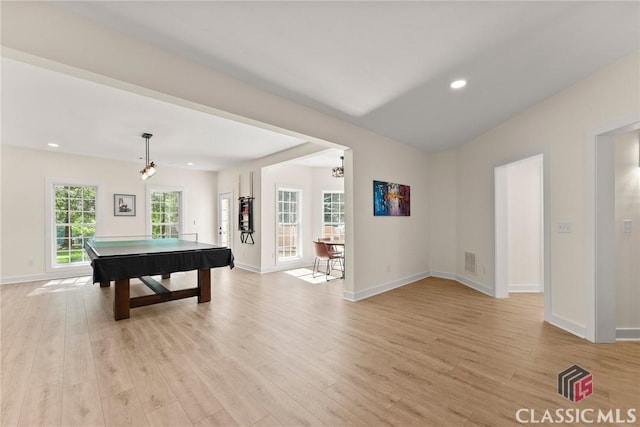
560,124
24,175
524,225
294,177
443,213
627,207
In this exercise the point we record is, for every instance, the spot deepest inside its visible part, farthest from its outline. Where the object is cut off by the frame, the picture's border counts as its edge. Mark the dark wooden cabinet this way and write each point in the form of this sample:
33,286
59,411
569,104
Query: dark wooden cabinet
245,219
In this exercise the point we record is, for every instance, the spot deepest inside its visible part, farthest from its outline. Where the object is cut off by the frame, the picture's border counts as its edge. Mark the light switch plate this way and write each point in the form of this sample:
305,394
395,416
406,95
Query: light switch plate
565,227
626,226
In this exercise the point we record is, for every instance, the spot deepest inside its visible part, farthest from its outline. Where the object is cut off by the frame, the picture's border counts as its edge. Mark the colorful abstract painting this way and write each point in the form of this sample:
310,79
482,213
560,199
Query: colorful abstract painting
391,199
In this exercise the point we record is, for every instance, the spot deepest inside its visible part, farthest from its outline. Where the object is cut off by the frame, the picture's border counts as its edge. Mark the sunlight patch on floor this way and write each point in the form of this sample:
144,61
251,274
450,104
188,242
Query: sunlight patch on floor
307,275
61,285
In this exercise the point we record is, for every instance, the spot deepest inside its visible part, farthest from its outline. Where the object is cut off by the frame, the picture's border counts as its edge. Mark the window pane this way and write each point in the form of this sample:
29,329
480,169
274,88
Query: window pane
62,257
89,205
62,204
89,193
72,225
75,204
62,243
333,215
62,217
287,217
89,232
61,192
76,231
165,214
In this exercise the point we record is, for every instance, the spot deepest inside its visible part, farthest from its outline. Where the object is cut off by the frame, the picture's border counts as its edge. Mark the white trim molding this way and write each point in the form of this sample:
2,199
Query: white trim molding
523,287
441,275
475,285
64,273
568,325
251,268
366,293
628,334
289,265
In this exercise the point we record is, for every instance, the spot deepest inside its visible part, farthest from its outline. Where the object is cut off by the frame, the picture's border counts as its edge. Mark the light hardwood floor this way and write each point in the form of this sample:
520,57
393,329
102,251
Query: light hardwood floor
271,350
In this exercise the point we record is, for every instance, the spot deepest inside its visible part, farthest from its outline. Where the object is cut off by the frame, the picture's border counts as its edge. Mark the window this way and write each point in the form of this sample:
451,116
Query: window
165,214
288,224
333,215
75,221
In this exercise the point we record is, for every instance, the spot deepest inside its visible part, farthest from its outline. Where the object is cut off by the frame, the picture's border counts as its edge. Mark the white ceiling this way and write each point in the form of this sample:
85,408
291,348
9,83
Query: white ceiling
382,65
40,106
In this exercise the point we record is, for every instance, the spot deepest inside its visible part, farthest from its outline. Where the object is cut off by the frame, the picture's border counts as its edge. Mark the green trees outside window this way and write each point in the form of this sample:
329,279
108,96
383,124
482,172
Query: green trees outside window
165,214
333,215
75,221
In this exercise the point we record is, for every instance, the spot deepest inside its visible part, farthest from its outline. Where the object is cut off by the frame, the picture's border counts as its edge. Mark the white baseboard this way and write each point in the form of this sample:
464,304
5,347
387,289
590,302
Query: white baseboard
360,295
366,293
349,296
63,274
568,325
475,285
287,266
628,334
525,287
441,275
248,267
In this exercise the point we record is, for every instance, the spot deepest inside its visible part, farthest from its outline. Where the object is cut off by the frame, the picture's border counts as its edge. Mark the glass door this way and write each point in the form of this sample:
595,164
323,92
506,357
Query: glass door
225,220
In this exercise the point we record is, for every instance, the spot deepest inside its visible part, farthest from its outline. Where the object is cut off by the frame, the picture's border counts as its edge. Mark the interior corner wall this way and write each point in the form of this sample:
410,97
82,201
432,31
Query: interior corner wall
627,244
443,213
23,203
561,125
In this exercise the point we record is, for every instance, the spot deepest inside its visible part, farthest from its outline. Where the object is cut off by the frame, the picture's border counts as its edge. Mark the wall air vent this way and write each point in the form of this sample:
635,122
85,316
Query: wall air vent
470,262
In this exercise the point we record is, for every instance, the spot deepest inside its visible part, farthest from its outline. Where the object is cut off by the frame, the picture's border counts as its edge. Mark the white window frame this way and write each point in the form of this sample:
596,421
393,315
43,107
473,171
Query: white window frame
322,223
299,222
50,223
165,189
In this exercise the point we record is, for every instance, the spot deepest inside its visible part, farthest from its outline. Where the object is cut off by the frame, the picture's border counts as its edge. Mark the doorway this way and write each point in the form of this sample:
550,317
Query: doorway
522,254
601,245
225,215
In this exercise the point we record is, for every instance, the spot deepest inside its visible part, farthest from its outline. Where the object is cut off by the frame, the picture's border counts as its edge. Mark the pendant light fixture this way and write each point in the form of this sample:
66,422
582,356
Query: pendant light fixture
150,167
338,171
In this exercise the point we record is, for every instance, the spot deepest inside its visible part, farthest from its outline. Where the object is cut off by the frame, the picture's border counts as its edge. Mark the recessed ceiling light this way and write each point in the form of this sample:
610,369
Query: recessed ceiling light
53,144
189,163
458,84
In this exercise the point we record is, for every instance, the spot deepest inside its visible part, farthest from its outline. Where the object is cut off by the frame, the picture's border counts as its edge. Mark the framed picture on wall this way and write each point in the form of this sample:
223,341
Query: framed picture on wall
124,205
391,199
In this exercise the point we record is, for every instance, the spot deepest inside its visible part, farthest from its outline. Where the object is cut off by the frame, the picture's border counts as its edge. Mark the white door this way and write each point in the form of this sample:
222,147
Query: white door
225,220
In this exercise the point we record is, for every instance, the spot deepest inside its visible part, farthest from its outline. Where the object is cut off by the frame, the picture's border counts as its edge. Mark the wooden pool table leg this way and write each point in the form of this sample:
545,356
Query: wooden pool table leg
121,300
204,285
